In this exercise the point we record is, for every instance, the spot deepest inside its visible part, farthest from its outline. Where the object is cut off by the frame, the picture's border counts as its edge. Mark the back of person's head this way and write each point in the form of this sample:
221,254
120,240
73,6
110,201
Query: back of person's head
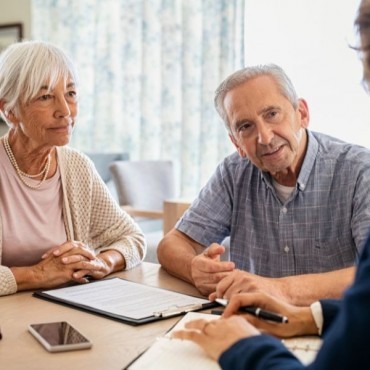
281,79
363,26
27,66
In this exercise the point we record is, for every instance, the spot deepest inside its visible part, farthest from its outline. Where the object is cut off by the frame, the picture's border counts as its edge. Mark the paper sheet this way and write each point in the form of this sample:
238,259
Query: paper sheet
125,298
170,354
165,352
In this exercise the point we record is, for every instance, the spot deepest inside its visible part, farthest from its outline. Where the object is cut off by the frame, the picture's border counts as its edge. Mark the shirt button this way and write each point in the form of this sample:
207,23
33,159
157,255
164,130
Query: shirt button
284,210
303,186
286,249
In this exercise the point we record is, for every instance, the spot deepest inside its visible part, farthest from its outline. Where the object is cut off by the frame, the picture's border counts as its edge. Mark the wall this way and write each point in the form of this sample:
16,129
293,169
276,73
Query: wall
12,11
310,39
15,11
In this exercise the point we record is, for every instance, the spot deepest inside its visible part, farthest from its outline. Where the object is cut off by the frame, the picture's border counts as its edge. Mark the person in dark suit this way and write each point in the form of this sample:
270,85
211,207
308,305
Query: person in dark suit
237,343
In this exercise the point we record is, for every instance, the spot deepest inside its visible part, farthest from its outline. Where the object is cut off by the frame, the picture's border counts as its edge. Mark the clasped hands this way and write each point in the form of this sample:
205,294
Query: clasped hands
72,261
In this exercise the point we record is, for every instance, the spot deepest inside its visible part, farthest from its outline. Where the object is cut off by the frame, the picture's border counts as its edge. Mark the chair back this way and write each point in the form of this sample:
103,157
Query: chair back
144,184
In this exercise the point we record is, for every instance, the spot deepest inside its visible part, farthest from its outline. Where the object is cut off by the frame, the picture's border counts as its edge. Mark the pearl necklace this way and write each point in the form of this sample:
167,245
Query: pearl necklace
23,175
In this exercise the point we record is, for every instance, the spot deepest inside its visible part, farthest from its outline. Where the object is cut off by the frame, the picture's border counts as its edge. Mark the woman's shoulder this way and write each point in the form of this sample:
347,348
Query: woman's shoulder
74,159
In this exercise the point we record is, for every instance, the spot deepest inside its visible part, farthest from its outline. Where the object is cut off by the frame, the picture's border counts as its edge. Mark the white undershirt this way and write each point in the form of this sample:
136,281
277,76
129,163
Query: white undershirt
32,219
283,192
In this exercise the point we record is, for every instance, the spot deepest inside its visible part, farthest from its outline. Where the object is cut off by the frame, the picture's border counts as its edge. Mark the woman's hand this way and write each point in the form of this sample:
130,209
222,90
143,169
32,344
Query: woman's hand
84,261
71,261
300,322
216,336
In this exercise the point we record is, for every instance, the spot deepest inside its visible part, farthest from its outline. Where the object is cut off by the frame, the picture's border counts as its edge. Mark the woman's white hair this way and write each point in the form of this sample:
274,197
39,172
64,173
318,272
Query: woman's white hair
27,66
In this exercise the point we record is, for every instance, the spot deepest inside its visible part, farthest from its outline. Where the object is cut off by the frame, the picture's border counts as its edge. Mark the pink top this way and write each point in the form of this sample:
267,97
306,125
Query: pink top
32,219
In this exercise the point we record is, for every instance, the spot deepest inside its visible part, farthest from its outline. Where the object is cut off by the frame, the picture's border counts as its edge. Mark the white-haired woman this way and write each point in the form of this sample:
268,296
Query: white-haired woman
58,222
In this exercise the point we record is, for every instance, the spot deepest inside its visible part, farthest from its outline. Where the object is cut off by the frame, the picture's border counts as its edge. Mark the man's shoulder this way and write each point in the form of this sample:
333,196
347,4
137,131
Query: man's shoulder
331,147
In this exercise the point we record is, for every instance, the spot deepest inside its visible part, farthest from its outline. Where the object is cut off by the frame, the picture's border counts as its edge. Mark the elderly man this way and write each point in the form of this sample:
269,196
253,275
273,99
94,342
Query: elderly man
295,203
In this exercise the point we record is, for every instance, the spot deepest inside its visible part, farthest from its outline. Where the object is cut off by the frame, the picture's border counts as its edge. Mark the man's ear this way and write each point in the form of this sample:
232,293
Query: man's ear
238,148
304,112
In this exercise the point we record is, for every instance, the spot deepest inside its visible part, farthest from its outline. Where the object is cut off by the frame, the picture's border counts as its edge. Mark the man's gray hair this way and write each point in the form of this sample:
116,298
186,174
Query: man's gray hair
283,82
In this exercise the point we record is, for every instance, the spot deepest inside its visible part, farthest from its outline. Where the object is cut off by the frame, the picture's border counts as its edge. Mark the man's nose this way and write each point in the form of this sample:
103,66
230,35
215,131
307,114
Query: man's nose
265,135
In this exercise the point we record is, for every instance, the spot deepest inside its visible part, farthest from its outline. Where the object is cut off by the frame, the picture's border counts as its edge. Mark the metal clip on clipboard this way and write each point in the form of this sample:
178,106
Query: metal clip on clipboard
177,310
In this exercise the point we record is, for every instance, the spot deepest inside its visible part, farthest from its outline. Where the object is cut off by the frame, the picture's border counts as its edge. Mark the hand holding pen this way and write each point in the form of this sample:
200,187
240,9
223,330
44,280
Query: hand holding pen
258,312
296,320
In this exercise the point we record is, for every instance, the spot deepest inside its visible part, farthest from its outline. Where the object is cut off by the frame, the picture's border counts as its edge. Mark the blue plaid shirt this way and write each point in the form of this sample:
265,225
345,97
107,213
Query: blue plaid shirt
321,227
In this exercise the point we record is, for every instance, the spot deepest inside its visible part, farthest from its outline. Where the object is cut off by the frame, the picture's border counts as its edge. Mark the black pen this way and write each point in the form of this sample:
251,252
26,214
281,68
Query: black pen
258,312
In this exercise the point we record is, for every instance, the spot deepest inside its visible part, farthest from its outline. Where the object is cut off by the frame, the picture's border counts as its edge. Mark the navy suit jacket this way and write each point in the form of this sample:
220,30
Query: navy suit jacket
346,343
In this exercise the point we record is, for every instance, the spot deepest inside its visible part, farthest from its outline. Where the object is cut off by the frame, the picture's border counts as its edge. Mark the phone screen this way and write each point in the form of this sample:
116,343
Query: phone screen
59,336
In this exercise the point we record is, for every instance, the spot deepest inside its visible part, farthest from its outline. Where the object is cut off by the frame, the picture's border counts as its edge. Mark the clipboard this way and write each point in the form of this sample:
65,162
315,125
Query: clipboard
123,300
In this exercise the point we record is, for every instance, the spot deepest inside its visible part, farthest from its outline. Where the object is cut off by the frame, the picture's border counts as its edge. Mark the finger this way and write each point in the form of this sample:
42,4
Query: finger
214,250
197,324
224,286
193,335
208,265
73,259
212,296
66,247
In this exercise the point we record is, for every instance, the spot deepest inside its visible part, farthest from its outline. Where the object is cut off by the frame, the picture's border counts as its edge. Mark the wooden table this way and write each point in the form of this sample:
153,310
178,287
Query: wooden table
115,344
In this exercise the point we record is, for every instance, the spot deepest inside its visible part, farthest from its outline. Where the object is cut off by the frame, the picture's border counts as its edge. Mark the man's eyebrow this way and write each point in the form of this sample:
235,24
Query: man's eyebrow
269,108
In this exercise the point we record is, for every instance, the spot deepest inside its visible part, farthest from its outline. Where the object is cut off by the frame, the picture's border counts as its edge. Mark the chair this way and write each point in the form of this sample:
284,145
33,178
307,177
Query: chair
142,187
102,162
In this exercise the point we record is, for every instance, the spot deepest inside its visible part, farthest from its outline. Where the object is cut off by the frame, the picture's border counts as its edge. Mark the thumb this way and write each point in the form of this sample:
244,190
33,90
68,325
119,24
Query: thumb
214,250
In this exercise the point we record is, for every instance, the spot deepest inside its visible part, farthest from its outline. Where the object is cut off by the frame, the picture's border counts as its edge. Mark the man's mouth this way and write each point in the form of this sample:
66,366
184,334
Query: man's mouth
273,151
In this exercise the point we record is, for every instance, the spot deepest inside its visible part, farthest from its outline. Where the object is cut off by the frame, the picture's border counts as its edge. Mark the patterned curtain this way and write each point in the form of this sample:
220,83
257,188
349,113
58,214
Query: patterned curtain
148,70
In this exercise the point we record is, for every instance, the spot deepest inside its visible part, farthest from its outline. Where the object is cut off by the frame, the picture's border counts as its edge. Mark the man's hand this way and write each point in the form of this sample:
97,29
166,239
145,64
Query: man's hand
207,269
244,282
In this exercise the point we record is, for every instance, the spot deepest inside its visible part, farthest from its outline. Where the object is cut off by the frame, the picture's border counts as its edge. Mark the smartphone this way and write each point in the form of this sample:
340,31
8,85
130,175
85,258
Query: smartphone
59,336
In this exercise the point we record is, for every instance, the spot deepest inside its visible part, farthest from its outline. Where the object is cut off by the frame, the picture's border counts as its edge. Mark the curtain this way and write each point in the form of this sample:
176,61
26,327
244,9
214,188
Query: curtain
148,70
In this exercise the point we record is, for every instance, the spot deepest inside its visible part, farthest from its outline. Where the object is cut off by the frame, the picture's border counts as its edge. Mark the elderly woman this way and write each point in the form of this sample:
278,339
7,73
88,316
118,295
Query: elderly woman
58,222
239,345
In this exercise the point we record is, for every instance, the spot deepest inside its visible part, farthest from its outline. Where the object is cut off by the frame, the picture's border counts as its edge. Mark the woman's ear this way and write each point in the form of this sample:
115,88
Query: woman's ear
9,115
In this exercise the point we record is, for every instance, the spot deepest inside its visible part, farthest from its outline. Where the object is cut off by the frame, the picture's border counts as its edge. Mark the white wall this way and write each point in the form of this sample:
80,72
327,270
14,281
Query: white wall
14,11
309,39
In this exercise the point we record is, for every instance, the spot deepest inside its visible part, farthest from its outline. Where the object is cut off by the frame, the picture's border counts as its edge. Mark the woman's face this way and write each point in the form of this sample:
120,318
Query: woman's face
48,119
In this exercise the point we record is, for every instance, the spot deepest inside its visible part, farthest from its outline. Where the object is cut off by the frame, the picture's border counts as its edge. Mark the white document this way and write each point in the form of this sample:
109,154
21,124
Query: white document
168,353
126,299
165,352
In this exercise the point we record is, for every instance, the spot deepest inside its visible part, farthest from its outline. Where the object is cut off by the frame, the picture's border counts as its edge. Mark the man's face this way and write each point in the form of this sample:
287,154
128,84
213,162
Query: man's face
266,128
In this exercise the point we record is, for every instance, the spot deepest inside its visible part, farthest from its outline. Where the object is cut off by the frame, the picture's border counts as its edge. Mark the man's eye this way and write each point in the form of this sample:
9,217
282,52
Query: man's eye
244,127
272,114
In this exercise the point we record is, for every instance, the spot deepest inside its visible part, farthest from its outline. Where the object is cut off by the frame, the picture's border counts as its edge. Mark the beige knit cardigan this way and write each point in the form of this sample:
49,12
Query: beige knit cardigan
91,215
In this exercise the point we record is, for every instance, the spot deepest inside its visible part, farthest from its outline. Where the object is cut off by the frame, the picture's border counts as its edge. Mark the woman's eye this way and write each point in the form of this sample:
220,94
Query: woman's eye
72,94
45,97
